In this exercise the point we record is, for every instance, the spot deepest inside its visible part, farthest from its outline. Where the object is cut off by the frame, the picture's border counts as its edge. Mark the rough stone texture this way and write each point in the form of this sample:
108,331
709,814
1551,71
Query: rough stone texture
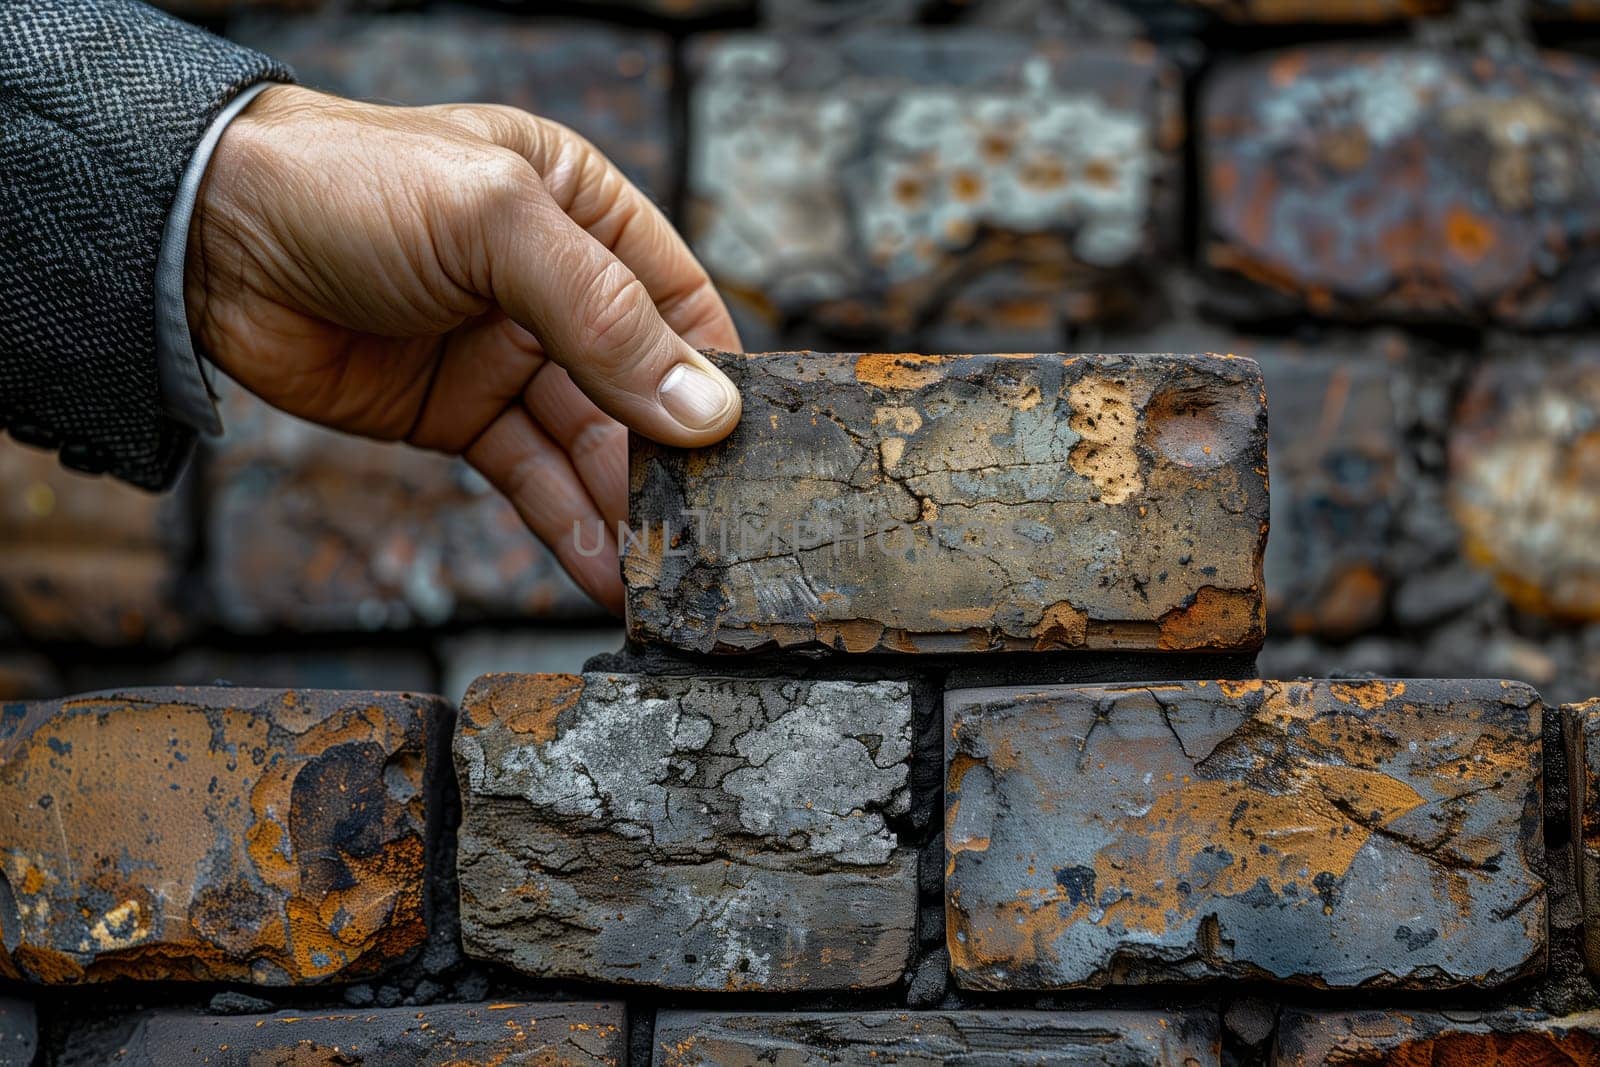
19,1032
1378,182
1314,11
1110,1038
250,835
612,85
1525,479
960,504
314,530
554,1034
86,558
880,180
1332,834
1380,1039
694,833
1581,725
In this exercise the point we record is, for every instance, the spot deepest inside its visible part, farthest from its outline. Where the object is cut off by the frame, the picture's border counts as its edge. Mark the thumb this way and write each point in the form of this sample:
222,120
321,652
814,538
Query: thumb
595,318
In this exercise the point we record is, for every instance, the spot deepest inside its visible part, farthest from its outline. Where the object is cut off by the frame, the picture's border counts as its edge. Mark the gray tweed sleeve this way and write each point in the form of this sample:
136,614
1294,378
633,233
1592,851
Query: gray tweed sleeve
102,104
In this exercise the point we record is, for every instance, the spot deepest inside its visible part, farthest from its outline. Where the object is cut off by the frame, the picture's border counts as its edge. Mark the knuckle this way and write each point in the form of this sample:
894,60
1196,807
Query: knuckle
503,180
615,318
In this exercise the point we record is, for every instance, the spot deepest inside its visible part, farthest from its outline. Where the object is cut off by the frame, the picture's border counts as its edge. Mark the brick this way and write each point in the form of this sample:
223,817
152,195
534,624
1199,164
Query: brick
19,1032
469,656
1330,834
446,1035
1525,479
313,530
1337,483
960,503
245,835
88,558
1375,1039
692,833
1273,12
612,85
1123,1038
897,168
1581,727
1373,182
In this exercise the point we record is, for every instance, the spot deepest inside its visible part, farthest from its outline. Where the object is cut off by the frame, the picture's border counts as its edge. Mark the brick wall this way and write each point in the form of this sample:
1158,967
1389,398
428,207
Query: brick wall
946,738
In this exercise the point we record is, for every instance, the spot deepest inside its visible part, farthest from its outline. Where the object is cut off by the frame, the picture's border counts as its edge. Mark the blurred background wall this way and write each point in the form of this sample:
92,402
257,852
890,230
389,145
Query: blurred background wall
1394,205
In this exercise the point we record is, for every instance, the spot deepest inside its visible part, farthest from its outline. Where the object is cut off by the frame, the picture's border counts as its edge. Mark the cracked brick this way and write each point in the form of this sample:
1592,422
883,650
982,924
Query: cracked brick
1525,478
568,1034
915,503
314,530
611,85
268,836
87,558
1374,182
1110,1038
1484,1039
1329,834
691,833
884,180
1581,727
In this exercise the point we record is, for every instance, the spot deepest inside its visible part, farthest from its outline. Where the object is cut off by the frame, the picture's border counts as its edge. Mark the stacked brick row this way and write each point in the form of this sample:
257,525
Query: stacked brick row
1381,223
801,782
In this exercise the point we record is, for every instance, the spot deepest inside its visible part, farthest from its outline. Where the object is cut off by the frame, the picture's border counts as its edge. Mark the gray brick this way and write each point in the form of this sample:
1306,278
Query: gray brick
692,833
1112,1038
586,1034
1332,834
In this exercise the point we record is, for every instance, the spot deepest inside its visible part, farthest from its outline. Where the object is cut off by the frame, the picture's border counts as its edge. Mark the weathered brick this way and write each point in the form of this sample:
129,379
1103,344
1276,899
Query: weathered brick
554,1034
960,503
1581,726
1396,1039
1525,479
1318,11
266,836
1336,471
86,558
694,833
1378,182
797,1039
1333,834
19,1032
864,182
314,530
612,85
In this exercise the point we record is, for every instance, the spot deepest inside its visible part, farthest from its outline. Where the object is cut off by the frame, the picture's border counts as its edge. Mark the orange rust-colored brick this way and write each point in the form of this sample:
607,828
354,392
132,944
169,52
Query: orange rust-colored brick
265,836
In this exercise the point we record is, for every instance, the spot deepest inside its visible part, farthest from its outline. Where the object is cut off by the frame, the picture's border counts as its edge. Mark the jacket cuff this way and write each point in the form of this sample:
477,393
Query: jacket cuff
186,392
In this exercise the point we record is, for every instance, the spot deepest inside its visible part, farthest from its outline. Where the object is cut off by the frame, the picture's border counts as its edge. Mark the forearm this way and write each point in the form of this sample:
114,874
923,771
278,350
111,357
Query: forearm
102,105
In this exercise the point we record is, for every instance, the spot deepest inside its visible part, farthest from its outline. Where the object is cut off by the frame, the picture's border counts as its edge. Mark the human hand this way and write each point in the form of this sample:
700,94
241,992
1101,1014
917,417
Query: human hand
467,278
